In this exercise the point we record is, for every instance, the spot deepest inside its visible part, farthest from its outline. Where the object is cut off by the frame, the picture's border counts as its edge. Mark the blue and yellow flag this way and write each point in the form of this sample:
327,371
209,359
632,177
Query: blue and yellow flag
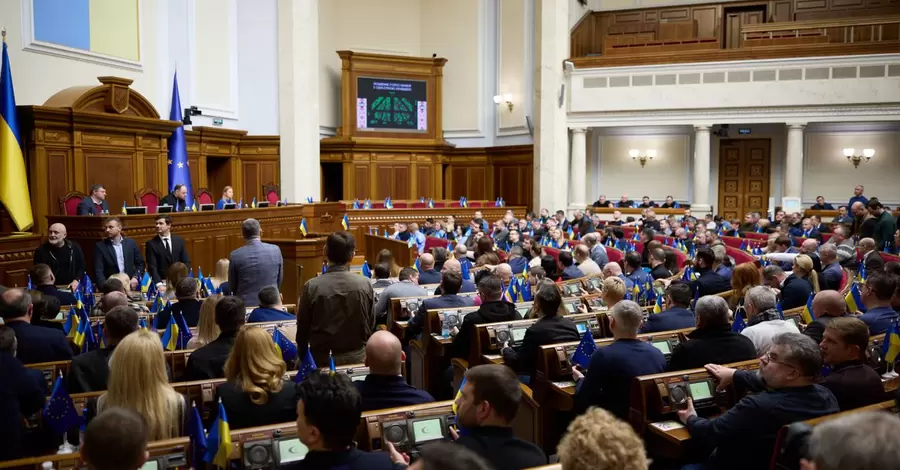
13,178
345,222
658,307
854,299
331,367
179,171
219,440
286,348
890,349
366,271
303,229
72,323
454,406
307,366
807,314
171,335
145,282
83,326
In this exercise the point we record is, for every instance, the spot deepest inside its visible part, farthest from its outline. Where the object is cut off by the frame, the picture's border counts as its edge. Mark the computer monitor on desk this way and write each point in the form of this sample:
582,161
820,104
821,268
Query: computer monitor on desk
164,209
260,205
229,205
136,210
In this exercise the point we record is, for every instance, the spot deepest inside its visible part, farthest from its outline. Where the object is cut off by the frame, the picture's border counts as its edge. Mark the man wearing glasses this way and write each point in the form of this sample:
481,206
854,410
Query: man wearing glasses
785,391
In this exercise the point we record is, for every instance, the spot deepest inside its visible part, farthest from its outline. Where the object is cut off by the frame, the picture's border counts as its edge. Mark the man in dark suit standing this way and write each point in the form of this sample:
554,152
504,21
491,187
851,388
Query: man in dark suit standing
254,265
23,395
176,199
90,371
117,254
64,257
35,343
164,249
95,204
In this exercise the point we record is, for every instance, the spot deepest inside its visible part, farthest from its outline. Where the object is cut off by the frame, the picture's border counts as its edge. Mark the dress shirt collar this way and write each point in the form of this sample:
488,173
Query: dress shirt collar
117,240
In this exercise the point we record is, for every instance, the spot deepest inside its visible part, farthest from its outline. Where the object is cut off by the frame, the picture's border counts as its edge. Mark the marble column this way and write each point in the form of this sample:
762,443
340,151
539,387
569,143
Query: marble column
578,170
793,165
551,139
298,97
700,200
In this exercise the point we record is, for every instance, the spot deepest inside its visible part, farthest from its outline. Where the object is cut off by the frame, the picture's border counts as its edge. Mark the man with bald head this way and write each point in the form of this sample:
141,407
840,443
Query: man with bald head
112,300
831,274
871,258
64,257
584,262
612,269
455,266
385,387
827,305
863,221
35,343
427,274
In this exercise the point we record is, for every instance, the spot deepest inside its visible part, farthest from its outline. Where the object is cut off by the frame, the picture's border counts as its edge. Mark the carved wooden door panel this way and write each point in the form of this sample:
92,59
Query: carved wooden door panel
743,177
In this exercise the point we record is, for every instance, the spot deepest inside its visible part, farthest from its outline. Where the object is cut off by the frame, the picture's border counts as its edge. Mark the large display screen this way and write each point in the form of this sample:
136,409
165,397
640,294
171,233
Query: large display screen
388,104
700,391
427,430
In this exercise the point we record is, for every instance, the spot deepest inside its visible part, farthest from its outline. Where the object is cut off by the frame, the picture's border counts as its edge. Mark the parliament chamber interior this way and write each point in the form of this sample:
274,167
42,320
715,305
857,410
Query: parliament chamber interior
479,234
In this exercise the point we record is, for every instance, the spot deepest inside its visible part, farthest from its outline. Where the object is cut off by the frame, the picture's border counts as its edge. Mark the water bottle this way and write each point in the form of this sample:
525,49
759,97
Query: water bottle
47,465
445,327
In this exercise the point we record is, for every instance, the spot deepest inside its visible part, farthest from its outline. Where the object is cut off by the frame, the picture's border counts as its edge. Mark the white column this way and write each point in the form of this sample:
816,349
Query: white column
578,170
551,140
700,201
298,97
793,165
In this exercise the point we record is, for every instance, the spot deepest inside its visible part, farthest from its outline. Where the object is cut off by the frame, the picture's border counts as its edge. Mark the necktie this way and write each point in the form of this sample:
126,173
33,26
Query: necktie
168,247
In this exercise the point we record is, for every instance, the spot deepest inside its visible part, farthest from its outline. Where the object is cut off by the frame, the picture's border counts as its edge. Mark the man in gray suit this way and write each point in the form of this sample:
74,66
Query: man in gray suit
407,287
254,265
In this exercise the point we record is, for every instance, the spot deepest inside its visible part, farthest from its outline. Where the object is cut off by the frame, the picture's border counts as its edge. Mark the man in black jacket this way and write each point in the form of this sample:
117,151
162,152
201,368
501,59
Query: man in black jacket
712,341
487,406
827,305
709,283
493,309
23,395
43,281
208,362
35,343
384,386
853,383
164,249
188,294
90,371
677,314
117,254
785,392
657,259
176,198
64,257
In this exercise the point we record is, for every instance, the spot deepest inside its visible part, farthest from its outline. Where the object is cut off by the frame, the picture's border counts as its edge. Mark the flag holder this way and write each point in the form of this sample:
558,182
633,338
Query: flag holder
891,373
66,448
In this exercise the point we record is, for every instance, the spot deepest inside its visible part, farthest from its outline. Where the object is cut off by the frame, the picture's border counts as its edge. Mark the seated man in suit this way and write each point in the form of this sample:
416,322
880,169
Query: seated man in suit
382,272
646,203
876,296
427,274
708,283
785,391
385,387
455,265
35,343
852,381
105,446
117,254
270,307
451,281
810,230
585,264
658,264
633,270
208,362
43,280
24,392
871,258
187,291
407,287
164,249
827,305
493,309
821,205
570,271
612,369
95,204
625,202
64,257
712,341
602,202
254,265
517,261
90,371
612,269
677,314
831,275
176,199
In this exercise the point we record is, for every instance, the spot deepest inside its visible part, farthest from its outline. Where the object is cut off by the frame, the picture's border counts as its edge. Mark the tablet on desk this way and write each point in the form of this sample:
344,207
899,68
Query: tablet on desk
229,205
164,209
207,207
260,205
136,210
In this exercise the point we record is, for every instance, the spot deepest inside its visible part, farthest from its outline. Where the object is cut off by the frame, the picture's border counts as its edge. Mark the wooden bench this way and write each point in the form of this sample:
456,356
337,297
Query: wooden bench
170,453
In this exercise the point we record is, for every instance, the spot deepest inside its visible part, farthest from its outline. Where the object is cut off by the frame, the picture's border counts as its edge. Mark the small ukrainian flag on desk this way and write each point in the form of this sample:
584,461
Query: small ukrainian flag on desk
219,440
303,229
345,222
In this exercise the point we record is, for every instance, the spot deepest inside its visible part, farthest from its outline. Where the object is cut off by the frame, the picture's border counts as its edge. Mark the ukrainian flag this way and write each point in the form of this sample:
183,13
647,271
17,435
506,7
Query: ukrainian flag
13,179
345,222
145,282
83,326
454,406
807,314
219,440
170,336
72,324
303,229
890,349
854,299
659,304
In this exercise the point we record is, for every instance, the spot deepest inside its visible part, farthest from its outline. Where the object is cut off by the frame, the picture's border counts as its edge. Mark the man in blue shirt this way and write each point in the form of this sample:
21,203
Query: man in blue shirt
270,307
384,387
876,296
858,196
607,383
678,314
417,236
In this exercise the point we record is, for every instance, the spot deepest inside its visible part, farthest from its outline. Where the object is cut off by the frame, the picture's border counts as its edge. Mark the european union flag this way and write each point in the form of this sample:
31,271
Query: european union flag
179,172
585,349
198,438
184,332
286,348
356,203
780,311
59,411
525,290
465,270
738,324
366,271
307,367
331,367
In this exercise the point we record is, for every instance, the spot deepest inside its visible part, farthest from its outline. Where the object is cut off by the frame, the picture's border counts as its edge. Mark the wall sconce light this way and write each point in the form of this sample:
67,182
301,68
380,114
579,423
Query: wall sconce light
856,159
642,159
504,98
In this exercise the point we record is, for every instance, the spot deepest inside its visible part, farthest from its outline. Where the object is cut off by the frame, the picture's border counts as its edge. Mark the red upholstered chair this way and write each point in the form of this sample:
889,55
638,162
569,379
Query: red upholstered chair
757,236
476,204
68,204
889,257
149,198
680,257
740,256
845,279
826,236
455,204
419,205
614,254
440,204
204,197
733,242
377,205
270,193
401,205
431,242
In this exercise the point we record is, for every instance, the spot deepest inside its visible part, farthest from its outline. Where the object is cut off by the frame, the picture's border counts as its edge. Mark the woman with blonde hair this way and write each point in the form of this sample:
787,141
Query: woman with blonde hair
207,330
138,381
227,198
745,276
219,279
256,392
176,272
613,291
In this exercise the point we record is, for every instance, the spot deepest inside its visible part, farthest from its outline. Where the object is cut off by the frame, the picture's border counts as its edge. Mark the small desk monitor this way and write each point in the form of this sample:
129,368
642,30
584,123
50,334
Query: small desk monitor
164,209
136,210
207,207
229,205
262,204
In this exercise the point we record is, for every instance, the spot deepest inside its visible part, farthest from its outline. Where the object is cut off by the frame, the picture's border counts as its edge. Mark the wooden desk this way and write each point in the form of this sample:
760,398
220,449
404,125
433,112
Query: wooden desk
208,235
16,257
302,261
404,255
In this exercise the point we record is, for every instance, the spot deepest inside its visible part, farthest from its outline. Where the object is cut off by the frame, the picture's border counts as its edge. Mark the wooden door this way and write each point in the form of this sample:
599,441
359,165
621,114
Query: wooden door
743,177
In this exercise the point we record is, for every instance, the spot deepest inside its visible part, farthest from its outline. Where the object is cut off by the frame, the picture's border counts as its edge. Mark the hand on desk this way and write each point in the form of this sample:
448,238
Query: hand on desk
134,283
686,413
577,374
396,456
454,434
73,285
723,375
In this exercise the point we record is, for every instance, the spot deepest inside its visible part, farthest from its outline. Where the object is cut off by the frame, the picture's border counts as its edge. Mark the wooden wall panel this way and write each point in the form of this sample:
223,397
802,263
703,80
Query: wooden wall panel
267,174
251,181
458,182
401,182
383,176
57,183
194,165
424,181
674,14
115,172
361,189
782,11
151,171
477,187
707,18
847,4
